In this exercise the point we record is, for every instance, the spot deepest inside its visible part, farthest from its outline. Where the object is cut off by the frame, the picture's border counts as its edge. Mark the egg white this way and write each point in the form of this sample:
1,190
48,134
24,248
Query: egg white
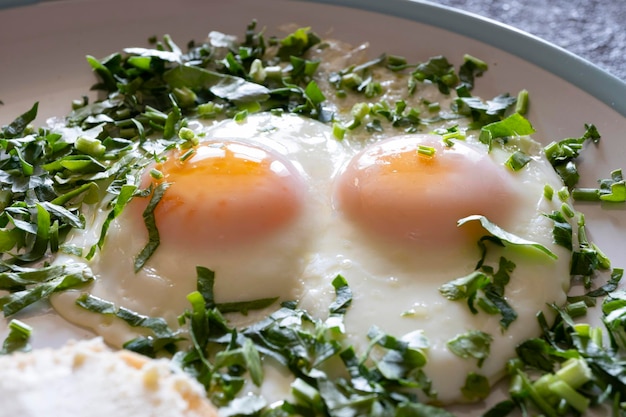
395,288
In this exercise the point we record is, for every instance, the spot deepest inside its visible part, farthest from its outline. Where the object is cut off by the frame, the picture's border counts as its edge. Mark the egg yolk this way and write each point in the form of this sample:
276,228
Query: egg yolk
414,189
225,193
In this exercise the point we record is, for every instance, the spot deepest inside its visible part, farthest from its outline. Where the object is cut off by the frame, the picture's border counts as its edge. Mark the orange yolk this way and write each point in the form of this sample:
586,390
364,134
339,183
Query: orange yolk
395,191
224,193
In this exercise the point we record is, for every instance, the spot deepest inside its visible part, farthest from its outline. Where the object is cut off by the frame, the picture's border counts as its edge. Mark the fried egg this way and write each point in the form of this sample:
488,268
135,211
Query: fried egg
246,209
396,239
278,207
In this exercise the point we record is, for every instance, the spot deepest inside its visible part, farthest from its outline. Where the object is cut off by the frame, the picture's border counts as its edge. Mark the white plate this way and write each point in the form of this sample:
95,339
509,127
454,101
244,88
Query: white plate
43,50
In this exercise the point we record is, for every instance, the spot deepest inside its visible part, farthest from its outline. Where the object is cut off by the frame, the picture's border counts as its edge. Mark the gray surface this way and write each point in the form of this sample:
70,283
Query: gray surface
593,29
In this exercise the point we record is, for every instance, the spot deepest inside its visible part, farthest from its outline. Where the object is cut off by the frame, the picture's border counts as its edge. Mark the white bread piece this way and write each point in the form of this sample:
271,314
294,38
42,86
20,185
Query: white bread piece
87,378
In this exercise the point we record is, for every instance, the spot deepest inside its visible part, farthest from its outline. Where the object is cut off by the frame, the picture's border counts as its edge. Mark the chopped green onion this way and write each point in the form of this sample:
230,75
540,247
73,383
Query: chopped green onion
18,337
273,72
156,174
517,161
339,131
573,398
479,63
574,372
582,329
434,107
351,80
521,106
209,110
586,194
187,135
396,62
188,154
257,72
563,194
306,394
568,210
90,146
426,150
360,110
241,116
577,309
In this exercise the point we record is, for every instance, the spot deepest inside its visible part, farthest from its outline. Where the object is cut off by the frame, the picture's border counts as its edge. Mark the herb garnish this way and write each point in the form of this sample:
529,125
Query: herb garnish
514,125
610,190
150,222
484,287
580,370
18,338
221,357
475,344
562,154
29,285
504,236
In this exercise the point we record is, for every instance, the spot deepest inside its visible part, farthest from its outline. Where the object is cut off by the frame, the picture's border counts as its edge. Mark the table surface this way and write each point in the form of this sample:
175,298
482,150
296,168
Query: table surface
592,29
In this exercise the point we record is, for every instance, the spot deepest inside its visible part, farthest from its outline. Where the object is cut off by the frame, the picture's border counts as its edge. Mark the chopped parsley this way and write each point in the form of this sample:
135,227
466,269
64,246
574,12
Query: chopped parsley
474,344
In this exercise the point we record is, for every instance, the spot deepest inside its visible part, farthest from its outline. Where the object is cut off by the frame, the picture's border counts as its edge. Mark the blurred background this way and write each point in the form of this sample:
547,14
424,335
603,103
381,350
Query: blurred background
592,29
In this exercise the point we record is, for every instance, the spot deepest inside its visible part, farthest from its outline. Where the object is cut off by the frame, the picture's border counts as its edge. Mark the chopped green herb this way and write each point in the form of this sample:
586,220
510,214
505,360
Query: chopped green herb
339,131
610,190
29,285
521,106
562,230
17,339
471,68
562,154
100,306
481,113
297,43
476,387
150,222
426,150
439,71
473,344
19,126
578,371
517,161
504,236
512,126
484,287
